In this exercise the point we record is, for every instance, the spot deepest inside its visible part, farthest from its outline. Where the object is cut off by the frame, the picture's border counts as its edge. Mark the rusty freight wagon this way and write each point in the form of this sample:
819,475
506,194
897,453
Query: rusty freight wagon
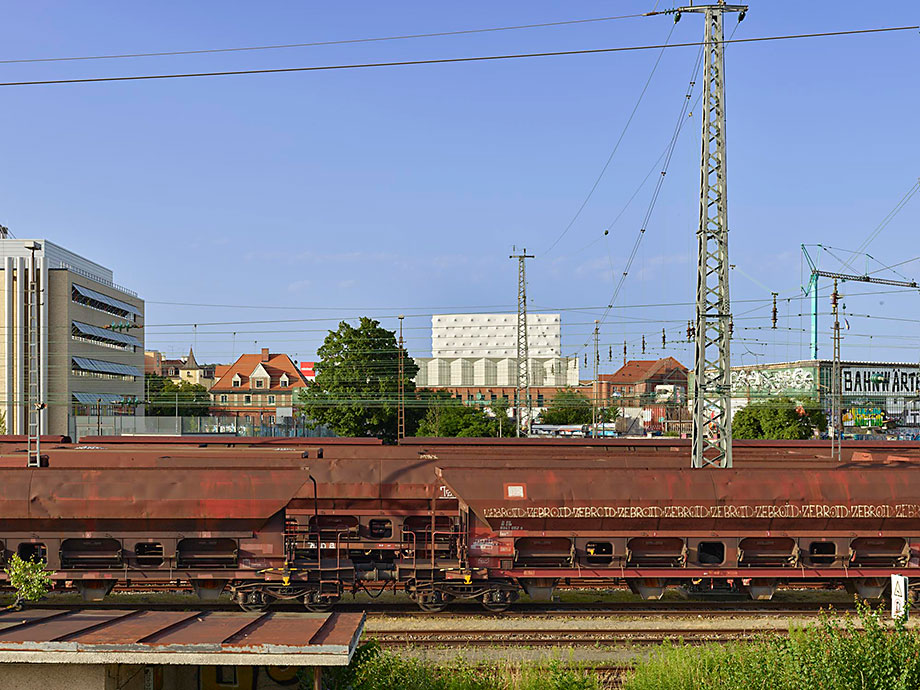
442,523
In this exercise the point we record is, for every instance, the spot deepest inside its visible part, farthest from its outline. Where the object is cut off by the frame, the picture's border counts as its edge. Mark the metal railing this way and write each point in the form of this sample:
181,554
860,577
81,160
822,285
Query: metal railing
93,276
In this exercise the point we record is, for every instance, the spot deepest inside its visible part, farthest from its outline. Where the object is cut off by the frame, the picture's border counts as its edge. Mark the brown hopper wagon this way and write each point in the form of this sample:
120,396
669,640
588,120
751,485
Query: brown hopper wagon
444,520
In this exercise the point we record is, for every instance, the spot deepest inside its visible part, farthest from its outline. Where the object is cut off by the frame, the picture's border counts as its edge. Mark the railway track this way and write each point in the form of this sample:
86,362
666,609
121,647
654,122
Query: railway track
560,637
410,610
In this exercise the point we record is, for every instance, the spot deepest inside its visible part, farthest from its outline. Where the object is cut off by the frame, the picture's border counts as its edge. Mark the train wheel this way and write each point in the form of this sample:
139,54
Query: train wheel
496,600
433,602
312,601
253,601
432,607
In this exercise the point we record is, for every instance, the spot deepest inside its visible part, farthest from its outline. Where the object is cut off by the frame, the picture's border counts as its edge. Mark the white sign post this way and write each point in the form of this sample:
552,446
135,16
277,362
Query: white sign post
898,596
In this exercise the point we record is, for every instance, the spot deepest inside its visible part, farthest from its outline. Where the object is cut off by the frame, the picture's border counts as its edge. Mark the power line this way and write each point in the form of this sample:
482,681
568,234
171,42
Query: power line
347,41
440,61
891,214
669,152
616,146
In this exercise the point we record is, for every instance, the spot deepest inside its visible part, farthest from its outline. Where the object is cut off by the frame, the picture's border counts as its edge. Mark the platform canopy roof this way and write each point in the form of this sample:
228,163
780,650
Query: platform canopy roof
236,638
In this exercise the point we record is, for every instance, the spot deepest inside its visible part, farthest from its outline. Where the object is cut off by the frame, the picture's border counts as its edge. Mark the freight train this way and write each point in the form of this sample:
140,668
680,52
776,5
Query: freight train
444,521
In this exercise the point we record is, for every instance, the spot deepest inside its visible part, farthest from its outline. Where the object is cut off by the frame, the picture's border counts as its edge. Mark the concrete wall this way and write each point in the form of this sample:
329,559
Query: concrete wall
129,677
55,677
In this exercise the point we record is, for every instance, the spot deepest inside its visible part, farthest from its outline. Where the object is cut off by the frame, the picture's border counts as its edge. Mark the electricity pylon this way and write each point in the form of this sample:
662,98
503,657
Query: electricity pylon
712,416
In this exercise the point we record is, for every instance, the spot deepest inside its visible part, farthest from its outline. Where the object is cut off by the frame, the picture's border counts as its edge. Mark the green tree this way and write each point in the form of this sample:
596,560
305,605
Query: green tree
356,389
451,418
778,418
571,407
30,580
164,395
499,408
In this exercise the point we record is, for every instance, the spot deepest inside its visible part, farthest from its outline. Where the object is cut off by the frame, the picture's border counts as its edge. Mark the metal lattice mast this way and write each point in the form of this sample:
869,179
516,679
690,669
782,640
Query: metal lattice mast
522,406
836,401
34,405
712,422
401,404
596,384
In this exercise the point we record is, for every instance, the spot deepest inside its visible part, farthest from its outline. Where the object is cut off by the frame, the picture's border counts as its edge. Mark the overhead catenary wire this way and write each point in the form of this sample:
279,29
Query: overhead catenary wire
440,61
669,152
313,44
616,146
902,202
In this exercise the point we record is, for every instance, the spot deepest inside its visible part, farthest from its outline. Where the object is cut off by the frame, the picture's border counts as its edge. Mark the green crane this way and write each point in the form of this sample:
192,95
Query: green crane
811,289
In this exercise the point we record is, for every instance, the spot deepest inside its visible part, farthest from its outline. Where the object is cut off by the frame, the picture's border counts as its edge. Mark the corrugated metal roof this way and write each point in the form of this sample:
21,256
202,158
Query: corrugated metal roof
105,299
112,335
213,638
105,367
93,398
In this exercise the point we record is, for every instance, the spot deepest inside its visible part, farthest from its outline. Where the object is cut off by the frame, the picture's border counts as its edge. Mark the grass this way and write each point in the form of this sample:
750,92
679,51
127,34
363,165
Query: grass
862,653
374,669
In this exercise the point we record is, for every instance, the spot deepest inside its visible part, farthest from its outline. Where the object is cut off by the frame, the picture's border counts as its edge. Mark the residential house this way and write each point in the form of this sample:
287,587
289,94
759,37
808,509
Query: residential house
257,388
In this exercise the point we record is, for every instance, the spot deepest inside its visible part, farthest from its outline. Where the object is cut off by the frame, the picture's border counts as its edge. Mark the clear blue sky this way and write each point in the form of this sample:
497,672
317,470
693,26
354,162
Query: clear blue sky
327,195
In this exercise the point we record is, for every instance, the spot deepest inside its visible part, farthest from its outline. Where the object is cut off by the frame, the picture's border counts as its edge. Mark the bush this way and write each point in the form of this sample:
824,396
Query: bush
779,418
834,654
373,669
29,578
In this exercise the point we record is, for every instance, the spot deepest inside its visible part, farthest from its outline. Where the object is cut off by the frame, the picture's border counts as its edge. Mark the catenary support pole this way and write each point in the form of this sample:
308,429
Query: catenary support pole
712,420
522,405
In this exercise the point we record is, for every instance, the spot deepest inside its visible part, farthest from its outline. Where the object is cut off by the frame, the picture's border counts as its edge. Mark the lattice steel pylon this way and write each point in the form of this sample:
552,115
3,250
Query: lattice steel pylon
712,421
523,410
836,419
34,404
401,387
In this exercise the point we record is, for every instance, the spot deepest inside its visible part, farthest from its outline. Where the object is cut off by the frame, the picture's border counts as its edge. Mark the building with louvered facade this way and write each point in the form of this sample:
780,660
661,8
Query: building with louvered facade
89,336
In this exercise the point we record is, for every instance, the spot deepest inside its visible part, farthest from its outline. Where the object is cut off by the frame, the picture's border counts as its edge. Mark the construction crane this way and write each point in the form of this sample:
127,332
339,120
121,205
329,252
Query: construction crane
812,290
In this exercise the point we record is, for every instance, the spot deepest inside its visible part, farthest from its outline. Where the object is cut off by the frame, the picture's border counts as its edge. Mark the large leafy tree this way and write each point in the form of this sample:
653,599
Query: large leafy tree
356,389
165,397
450,417
778,418
569,406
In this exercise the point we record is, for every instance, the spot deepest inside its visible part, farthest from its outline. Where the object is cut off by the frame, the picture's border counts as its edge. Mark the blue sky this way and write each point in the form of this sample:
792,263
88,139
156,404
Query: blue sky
326,195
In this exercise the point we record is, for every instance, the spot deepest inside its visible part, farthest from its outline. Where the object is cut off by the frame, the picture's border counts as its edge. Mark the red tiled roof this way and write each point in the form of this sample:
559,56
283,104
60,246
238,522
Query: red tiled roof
636,370
275,365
